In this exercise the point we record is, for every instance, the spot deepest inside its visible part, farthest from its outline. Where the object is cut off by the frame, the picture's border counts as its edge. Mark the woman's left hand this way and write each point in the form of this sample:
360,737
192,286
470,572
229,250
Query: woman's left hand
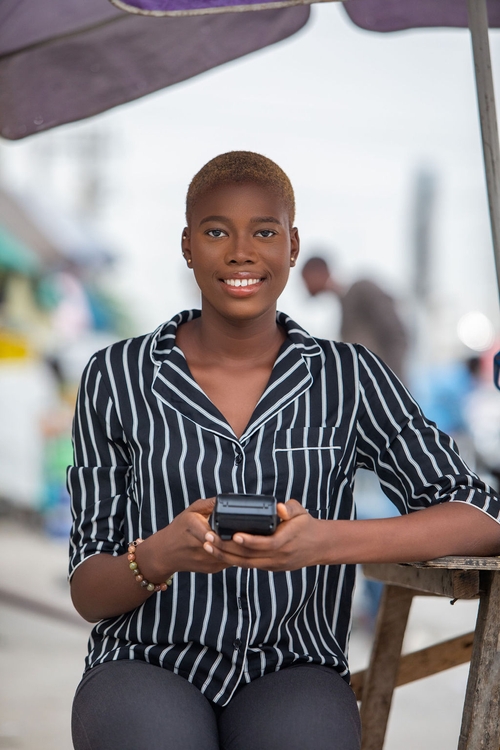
295,543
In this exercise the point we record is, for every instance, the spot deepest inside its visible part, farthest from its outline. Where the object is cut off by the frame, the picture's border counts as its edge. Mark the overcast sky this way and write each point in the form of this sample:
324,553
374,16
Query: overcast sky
350,115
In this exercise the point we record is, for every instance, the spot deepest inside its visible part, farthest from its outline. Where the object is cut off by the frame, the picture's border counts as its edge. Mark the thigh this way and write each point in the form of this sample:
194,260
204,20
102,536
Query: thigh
301,707
128,705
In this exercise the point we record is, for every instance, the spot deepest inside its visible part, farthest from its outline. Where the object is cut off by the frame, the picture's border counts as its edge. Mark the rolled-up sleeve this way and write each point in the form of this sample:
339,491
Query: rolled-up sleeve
417,464
99,480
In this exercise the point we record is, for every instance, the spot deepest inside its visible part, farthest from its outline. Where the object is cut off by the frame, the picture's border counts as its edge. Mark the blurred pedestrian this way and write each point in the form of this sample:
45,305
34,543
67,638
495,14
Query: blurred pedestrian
369,314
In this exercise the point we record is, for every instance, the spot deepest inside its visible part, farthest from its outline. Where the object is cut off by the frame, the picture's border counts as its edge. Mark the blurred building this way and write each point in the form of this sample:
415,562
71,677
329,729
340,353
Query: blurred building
55,311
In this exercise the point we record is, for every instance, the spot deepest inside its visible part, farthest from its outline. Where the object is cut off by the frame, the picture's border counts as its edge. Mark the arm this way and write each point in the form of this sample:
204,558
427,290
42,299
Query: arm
104,586
301,540
446,529
101,489
418,469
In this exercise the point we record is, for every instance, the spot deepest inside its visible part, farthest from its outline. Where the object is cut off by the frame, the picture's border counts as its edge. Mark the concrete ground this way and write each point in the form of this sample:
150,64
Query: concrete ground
41,657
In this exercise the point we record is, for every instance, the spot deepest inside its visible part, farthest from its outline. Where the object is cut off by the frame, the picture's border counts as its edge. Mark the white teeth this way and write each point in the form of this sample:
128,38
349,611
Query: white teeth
241,282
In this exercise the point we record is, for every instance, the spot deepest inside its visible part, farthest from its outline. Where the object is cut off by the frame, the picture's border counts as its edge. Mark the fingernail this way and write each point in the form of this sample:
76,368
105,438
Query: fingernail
208,548
209,537
238,539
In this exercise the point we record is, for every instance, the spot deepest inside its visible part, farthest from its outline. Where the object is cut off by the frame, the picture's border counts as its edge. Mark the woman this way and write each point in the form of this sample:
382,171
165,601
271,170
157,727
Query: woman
242,644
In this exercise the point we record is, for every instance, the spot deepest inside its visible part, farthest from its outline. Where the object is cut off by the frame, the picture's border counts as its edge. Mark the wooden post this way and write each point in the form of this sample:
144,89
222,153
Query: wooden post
478,24
481,716
382,672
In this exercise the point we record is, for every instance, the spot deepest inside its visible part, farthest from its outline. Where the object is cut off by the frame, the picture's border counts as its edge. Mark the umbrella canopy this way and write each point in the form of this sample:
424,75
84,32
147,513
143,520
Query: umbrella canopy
396,15
64,60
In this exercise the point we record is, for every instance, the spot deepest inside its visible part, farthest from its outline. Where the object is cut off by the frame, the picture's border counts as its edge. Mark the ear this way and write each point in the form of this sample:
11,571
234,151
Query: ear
186,245
294,245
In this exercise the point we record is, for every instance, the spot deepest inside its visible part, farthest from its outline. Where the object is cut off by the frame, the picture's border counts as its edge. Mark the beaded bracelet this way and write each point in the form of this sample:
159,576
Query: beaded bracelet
138,575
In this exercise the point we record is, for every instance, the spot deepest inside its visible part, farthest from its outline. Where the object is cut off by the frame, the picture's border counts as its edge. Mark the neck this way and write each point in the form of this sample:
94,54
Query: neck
238,340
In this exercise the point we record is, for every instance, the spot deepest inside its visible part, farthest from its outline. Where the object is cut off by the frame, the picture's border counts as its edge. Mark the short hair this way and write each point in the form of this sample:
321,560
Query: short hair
240,167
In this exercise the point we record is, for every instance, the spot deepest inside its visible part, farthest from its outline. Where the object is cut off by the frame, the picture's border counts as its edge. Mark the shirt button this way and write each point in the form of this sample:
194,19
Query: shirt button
238,458
236,644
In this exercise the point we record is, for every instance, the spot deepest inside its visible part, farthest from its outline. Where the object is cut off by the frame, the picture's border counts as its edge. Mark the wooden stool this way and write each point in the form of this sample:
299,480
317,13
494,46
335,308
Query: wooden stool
455,578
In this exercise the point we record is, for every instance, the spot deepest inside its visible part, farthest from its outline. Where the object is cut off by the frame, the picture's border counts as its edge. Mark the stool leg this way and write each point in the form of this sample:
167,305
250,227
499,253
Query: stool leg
481,717
382,671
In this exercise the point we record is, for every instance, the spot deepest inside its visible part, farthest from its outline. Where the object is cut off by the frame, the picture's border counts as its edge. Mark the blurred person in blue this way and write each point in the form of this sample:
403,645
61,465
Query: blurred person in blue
443,391
201,642
369,316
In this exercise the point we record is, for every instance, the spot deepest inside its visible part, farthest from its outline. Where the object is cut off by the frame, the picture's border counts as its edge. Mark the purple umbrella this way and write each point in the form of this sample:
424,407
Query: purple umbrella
64,60
396,15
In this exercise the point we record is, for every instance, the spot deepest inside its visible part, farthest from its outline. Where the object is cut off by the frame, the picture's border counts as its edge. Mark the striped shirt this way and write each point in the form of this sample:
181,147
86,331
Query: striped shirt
148,442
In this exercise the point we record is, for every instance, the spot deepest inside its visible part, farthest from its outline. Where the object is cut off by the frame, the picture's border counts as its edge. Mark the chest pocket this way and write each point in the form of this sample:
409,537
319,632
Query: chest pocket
307,463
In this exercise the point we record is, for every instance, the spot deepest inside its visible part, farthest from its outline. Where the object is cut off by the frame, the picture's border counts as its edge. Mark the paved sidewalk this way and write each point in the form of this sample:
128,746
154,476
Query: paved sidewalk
41,658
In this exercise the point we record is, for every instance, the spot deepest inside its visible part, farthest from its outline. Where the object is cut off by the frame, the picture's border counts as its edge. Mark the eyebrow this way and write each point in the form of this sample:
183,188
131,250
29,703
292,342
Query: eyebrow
213,218
265,220
254,220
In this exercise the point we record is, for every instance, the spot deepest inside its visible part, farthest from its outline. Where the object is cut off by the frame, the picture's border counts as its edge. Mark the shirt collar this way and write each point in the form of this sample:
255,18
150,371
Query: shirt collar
163,340
175,386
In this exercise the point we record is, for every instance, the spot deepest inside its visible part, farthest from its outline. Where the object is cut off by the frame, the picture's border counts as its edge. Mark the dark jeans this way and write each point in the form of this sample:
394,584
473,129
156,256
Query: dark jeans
132,705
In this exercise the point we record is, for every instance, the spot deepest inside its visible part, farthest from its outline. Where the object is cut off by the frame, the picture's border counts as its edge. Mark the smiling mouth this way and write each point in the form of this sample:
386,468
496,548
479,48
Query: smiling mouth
241,282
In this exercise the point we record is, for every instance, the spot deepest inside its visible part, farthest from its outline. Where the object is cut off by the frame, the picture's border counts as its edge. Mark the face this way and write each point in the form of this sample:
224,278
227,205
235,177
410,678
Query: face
240,246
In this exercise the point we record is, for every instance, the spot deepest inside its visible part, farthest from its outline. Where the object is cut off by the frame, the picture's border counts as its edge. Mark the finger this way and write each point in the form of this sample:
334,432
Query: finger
264,562
291,509
240,561
204,506
232,547
245,546
282,511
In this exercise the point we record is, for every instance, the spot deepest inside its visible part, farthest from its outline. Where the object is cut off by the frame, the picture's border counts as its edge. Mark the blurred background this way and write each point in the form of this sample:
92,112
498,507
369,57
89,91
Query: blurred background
380,137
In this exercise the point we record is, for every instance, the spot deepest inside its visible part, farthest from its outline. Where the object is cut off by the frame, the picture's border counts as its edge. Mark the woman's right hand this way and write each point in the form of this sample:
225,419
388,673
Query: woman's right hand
179,546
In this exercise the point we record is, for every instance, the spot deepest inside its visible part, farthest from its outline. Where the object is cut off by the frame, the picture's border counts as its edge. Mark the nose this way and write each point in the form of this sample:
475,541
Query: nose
241,251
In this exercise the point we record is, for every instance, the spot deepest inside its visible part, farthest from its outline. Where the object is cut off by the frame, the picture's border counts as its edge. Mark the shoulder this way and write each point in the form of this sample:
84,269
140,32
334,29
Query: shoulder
338,359
126,351
363,288
110,369
310,346
357,357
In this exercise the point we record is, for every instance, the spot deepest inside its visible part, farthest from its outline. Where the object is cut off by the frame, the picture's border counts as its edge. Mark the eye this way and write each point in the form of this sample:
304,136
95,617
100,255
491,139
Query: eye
265,233
216,233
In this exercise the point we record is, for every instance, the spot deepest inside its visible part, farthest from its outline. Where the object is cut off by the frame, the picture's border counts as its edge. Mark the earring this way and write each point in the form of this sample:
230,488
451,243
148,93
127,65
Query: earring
189,261
292,261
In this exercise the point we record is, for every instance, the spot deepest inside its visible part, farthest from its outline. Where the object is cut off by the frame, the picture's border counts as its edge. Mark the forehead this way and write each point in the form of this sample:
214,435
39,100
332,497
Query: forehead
239,200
